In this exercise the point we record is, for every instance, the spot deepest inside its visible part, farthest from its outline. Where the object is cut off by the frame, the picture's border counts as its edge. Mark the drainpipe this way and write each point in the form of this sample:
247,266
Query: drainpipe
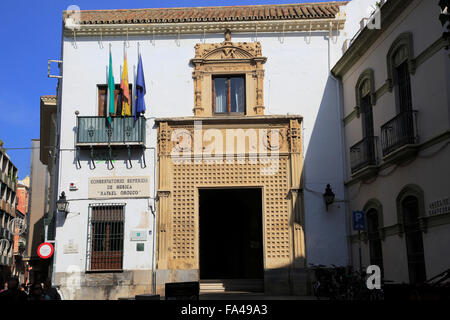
152,208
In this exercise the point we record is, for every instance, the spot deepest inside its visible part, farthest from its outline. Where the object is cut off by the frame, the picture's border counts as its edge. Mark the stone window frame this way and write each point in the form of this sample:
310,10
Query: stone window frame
415,191
378,206
367,76
403,41
228,58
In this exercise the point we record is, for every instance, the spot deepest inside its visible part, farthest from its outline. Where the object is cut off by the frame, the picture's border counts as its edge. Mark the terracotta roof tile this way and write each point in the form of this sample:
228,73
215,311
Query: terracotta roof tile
201,14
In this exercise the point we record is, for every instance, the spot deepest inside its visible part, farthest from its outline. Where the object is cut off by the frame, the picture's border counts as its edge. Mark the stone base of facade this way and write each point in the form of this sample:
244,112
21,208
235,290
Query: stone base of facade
277,282
286,281
104,286
165,276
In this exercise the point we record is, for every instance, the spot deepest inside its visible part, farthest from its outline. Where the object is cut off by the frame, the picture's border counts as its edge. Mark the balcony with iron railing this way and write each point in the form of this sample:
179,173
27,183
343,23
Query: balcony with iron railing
398,132
363,154
96,131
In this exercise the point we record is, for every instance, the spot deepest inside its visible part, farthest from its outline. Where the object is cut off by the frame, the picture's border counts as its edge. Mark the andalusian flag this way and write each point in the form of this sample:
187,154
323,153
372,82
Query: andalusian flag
126,109
111,86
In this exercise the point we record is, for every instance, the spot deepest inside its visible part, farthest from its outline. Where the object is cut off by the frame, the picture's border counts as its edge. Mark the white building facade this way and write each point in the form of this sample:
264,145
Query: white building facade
108,245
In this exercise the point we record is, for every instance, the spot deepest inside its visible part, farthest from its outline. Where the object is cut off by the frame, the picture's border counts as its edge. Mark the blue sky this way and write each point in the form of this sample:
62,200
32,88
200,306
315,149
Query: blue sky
31,34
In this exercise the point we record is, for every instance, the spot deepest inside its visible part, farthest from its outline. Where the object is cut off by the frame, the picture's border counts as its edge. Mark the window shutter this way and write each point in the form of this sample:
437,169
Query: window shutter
102,101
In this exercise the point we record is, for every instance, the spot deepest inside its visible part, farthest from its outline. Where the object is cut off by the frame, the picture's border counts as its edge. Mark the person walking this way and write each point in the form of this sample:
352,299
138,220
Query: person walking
50,293
13,293
36,292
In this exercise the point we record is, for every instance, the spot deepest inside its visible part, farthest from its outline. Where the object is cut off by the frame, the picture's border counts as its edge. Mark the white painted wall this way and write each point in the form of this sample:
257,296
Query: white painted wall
296,81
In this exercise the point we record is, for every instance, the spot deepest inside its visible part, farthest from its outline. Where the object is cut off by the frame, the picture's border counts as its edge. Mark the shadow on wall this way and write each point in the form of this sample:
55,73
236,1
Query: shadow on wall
325,229
37,237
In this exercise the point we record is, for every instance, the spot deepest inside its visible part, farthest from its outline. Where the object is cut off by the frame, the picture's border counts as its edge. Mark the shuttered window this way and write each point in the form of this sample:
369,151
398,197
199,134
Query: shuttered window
103,100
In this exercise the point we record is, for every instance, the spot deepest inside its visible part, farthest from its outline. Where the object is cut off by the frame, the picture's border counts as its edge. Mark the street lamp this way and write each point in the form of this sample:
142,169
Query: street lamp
62,204
328,196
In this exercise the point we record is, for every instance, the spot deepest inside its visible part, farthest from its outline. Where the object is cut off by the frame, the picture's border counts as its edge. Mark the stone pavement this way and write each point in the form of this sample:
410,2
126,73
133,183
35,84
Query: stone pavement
249,296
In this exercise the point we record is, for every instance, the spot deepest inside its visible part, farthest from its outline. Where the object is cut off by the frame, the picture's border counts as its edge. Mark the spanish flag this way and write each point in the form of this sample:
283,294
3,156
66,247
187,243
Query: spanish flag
126,109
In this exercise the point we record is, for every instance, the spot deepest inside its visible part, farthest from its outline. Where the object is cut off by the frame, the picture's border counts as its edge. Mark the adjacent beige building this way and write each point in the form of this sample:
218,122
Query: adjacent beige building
8,182
42,202
395,90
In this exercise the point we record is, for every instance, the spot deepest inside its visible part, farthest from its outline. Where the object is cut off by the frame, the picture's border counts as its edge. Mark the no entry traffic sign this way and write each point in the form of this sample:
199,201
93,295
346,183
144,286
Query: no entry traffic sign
45,250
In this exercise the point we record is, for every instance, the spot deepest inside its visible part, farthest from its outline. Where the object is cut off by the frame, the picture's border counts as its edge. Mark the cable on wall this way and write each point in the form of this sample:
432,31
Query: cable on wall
100,43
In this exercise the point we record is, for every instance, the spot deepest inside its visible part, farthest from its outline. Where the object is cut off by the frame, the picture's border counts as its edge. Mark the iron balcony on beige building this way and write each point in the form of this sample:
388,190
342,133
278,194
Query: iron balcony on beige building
397,131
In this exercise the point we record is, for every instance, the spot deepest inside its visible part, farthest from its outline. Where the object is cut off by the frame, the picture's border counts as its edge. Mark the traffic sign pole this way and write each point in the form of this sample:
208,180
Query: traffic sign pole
359,223
360,258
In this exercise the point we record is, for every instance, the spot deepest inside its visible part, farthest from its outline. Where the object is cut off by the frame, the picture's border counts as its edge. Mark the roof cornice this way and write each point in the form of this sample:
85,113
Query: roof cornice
267,26
202,20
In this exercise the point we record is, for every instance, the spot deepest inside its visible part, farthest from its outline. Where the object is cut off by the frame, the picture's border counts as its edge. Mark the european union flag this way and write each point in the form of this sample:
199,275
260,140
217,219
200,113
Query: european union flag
140,90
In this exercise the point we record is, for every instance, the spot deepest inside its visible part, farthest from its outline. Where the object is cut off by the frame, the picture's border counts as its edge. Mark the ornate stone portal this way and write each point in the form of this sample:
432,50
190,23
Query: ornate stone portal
276,144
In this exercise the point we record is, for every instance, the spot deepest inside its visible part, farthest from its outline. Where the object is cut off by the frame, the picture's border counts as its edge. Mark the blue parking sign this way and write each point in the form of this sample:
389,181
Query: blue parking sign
359,220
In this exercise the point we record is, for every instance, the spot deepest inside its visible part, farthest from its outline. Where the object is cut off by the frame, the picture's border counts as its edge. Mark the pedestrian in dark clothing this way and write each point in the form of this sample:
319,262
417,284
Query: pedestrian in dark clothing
13,293
36,292
50,293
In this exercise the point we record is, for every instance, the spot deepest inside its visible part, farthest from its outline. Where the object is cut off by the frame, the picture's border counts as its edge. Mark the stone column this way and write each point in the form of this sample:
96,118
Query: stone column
198,78
259,74
164,188
300,278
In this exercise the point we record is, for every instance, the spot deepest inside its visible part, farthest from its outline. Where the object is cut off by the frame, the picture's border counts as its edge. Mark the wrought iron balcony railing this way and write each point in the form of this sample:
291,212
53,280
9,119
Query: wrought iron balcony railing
92,131
363,154
399,131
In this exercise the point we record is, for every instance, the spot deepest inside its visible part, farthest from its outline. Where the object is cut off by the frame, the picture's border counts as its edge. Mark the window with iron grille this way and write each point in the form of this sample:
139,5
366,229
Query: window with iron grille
105,237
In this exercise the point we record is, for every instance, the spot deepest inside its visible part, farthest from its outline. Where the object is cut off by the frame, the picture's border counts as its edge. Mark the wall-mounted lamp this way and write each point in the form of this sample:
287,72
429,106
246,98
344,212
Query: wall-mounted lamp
328,196
62,204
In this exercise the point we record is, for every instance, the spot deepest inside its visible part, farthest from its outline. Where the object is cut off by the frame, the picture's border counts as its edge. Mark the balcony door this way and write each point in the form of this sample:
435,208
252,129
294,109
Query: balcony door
403,87
367,126
404,102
